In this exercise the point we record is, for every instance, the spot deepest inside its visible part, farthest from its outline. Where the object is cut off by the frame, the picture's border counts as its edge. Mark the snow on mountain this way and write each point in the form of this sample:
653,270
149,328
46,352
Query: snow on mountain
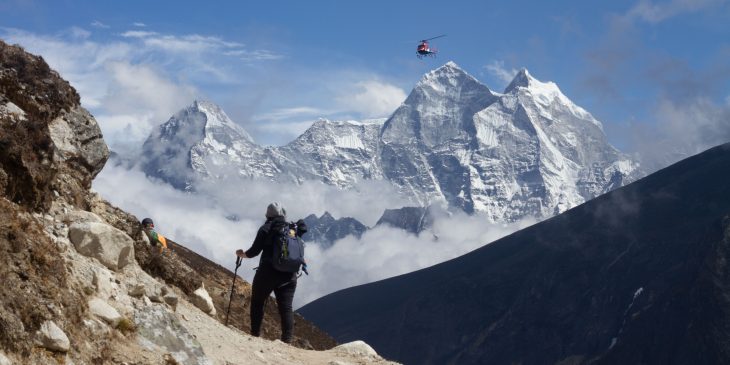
529,151
336,152
537,153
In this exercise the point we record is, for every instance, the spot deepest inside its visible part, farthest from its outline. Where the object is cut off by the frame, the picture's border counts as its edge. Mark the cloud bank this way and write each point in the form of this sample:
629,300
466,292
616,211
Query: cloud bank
199,222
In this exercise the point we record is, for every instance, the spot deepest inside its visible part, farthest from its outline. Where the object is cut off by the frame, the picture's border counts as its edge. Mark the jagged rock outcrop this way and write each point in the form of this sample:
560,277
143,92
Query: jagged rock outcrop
325,230
412,219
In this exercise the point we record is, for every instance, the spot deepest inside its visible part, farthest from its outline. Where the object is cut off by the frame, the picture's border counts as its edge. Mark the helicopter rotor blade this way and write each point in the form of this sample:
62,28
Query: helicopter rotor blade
426,40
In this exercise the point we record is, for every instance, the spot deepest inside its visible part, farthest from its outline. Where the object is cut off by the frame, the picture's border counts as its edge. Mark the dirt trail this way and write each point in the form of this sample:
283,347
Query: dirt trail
230,346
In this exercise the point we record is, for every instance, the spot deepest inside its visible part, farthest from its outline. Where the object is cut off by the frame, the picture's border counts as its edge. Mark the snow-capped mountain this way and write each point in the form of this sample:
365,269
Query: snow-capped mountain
529,151
201,141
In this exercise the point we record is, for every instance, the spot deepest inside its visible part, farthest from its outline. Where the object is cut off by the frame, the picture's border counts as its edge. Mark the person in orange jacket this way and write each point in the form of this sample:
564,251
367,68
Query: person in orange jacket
156,239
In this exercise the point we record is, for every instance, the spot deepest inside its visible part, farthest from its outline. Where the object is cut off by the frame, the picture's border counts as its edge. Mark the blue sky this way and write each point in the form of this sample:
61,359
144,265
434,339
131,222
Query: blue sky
644,68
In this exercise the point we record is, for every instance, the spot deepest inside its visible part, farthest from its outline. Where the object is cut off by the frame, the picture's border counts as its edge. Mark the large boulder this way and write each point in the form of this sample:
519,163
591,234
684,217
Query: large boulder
79,152
112,247
53,338
49,142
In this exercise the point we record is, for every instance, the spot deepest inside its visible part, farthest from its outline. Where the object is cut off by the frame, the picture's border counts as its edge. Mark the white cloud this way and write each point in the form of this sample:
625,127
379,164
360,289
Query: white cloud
98,24
373,98
273,100
497,69
652,12
138,24
681,129
138,34
289,113
190,43
198,222
385,252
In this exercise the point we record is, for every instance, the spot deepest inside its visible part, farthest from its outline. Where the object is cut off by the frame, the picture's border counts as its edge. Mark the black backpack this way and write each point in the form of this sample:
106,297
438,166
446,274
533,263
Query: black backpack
288,250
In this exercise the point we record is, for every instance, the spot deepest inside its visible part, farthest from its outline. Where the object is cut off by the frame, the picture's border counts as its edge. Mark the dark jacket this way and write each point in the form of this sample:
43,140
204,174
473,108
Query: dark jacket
266,237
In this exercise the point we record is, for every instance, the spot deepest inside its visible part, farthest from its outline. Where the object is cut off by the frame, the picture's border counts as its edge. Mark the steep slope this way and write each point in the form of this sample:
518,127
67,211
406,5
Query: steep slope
637,275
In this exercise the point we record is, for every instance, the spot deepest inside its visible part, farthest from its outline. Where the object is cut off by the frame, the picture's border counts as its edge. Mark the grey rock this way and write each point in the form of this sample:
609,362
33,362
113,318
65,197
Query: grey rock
137,290
112,247
79,142
103,282
80,216
53,338
171,299
103,310
357,348
159,330
203,301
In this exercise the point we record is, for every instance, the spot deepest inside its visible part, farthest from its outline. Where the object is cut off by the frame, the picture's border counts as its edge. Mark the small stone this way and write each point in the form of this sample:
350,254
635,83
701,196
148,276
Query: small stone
171,300
137,290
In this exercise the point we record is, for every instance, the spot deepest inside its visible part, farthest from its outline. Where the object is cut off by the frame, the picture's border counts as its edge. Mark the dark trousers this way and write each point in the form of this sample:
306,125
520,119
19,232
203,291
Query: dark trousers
266,280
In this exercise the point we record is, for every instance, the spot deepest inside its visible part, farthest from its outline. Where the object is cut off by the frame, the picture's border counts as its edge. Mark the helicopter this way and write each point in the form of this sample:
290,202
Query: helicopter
424,49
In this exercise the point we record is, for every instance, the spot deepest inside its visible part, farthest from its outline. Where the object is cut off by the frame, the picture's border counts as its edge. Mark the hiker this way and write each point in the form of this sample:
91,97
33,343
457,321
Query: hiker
156,239
268,278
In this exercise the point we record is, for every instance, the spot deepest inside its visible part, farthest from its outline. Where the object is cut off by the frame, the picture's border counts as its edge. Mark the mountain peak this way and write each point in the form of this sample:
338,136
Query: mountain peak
448,74
451,64
521,79
216,118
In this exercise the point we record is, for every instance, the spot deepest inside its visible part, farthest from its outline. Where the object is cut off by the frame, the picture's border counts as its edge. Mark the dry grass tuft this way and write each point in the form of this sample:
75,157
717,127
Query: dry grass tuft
127,326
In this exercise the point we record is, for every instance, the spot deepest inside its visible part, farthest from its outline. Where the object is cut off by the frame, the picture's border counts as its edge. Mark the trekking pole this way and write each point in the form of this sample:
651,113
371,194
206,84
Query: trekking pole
238,263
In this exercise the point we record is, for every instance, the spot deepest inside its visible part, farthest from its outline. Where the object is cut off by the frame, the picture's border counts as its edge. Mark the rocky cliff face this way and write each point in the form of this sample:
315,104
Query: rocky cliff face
80,283
637,275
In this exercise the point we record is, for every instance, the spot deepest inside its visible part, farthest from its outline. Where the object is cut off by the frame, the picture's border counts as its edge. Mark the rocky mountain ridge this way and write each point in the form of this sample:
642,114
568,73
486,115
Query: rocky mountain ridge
527,152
